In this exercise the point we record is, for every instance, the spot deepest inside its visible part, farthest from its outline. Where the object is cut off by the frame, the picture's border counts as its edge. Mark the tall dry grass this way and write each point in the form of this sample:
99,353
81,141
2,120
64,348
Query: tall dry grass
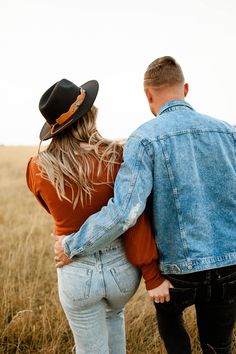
31,318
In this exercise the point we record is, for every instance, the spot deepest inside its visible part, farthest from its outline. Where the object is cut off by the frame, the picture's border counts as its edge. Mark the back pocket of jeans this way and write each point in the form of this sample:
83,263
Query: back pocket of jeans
76,282
180,298
229,291
126,277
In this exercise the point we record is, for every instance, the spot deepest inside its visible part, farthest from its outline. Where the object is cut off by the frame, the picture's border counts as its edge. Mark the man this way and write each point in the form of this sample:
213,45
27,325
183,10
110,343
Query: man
188,161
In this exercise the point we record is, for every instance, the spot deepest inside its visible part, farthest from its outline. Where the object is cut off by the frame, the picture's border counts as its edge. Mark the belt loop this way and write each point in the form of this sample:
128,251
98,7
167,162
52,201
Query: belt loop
208,277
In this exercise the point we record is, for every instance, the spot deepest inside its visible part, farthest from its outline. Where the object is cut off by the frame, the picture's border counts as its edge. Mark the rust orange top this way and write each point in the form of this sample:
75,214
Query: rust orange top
140,245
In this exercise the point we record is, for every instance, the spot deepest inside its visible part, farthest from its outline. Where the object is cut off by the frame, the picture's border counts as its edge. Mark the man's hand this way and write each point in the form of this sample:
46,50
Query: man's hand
161,293
60,258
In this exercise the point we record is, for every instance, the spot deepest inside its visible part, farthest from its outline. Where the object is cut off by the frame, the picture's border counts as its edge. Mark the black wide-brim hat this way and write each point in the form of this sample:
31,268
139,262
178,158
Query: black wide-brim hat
64,103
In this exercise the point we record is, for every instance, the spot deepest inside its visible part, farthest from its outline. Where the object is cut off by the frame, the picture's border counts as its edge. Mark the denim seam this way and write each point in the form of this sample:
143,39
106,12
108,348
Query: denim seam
191,132
200,264
234,137
140,155
177,202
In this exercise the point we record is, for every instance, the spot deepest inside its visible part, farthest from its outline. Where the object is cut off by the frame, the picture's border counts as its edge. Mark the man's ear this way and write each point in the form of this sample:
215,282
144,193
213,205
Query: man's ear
148,94
186,88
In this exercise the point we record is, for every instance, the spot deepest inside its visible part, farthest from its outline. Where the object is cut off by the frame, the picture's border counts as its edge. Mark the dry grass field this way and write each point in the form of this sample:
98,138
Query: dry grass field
31,318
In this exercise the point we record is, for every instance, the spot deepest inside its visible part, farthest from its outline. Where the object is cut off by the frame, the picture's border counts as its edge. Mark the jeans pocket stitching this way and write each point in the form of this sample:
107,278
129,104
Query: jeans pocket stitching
86,287
123,289
229,291
116,279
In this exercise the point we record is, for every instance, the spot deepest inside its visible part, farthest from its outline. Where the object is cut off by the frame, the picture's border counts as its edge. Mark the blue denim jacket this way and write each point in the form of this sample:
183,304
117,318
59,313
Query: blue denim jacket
188,161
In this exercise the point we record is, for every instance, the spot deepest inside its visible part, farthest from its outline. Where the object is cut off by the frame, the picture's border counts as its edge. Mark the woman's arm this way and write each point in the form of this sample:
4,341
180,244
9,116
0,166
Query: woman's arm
141,251
32,174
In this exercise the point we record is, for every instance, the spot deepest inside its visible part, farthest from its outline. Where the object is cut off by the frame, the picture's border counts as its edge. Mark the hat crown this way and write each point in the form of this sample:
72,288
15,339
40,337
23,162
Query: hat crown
58,99
64,103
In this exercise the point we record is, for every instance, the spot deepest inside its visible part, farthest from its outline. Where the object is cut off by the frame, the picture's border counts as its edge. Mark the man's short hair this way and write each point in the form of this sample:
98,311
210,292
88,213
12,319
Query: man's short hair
164,71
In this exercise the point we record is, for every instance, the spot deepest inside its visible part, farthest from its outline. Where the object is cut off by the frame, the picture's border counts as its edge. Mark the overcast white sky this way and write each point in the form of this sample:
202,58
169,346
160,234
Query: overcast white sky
43,41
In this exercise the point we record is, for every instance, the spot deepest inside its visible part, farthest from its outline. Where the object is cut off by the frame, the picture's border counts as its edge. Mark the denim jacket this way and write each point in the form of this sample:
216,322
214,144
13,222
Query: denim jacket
187,160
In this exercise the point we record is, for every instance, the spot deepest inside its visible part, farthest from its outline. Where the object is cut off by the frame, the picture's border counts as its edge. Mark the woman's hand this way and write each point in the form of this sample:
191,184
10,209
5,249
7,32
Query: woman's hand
60,258
161,293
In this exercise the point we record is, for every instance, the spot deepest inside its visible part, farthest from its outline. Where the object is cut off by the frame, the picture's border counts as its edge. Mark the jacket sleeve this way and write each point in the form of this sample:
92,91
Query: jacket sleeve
133,185
141,250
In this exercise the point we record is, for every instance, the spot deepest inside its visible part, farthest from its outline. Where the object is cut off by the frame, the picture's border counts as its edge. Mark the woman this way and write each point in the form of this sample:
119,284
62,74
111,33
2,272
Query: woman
72,179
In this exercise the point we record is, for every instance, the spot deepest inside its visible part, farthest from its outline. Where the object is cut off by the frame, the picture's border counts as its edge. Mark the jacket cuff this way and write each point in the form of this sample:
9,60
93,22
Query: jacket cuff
65,246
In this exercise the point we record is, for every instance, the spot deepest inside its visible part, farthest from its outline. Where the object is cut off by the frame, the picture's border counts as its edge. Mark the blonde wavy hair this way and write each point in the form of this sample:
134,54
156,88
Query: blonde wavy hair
67,160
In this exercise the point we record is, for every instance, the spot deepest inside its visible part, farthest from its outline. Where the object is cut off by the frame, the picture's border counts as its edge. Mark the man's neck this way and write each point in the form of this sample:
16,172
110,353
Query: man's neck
165,101
165,94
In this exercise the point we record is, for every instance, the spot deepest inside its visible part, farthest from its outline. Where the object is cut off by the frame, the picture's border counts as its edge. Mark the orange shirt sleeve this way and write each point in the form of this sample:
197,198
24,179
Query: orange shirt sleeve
141,250
31,179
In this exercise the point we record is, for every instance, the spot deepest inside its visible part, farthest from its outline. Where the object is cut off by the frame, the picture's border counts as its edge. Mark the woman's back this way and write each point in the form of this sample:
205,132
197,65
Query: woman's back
68,219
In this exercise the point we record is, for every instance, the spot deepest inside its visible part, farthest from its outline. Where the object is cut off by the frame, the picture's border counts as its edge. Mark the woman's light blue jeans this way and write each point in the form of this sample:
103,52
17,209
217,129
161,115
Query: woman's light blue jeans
93,291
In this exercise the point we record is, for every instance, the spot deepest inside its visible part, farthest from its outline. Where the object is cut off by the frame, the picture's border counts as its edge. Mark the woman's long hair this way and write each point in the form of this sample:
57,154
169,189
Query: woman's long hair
67,160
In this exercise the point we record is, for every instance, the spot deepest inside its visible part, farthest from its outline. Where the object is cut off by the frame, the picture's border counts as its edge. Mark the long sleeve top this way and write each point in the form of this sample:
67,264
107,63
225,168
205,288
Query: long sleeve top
140,246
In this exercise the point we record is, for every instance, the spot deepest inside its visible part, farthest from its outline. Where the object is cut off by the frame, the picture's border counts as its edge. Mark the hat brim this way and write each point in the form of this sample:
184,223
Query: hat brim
91,88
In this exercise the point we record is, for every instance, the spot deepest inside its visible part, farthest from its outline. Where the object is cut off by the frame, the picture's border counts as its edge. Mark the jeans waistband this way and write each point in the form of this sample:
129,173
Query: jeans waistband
118,243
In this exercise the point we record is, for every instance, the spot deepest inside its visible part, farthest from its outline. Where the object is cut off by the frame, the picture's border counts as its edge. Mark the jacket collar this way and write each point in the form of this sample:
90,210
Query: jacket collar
174,105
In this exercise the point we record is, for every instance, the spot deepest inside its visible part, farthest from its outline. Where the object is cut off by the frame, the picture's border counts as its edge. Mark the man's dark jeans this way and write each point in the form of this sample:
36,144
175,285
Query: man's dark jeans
214,294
